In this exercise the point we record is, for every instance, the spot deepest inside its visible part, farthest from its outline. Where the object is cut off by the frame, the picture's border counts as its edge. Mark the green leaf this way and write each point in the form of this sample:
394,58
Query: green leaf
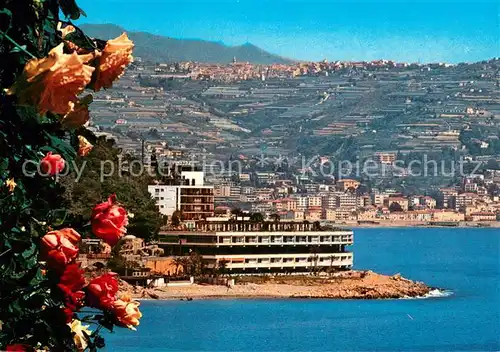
62,147
19,49
5,19
58,217
70,9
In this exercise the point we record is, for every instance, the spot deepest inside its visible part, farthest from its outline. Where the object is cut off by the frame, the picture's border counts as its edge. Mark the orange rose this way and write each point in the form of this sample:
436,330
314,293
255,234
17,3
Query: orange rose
85,147
59,248
115,57
52,164
109,221
77,117
11,184
127,312
52,83
66,30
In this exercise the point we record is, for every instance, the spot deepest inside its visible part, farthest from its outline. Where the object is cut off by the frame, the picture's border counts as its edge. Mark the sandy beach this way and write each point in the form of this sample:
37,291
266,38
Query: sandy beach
347,285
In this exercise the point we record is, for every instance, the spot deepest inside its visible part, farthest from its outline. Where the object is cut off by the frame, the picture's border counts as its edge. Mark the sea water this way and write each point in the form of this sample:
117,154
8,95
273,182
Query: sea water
462,315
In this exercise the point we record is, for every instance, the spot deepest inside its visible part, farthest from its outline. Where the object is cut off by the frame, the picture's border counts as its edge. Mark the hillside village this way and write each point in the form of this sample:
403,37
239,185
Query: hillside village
261,133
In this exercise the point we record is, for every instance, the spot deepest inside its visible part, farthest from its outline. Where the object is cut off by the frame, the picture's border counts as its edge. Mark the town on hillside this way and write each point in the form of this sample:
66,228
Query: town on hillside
294,154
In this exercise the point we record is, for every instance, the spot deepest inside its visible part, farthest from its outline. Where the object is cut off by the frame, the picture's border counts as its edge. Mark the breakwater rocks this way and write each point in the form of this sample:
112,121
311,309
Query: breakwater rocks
345,285
367,285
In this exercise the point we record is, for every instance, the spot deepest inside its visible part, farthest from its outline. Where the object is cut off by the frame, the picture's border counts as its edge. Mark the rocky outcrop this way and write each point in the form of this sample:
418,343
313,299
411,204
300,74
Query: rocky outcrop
368,285
346,285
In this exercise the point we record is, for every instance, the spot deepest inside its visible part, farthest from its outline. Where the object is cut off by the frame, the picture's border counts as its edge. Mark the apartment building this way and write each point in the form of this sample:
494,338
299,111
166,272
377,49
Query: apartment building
248,248
190,196
465,199
314,202
447,198
401,201
347,200
386,158
302,203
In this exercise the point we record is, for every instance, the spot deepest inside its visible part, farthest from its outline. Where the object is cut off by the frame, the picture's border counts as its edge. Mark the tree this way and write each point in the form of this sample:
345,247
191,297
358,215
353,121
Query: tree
176,218
275,217
196,264
314,259
257,218
179,262
221,267
317,226
395,207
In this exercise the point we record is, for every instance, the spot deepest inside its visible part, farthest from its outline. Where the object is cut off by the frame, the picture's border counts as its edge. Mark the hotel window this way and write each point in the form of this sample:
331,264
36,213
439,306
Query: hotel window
157,190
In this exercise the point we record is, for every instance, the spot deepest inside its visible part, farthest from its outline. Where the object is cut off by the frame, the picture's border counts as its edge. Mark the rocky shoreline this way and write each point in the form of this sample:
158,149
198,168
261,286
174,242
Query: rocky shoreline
346,285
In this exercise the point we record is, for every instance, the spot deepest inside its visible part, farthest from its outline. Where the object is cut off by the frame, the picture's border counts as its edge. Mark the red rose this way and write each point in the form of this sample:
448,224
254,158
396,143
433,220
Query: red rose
101,292
18,347
52,164
71,284
109,221
59,248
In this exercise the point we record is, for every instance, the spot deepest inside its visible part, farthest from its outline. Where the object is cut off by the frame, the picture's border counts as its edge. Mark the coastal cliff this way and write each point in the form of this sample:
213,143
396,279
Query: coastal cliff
346,285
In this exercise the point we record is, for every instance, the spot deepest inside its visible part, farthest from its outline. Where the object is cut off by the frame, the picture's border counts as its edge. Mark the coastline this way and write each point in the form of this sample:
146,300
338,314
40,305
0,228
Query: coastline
417,224
346,285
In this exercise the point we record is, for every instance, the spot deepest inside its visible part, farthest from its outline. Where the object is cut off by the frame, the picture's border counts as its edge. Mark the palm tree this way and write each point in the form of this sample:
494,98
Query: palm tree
316,226
178,262
221,267
332,258
314,259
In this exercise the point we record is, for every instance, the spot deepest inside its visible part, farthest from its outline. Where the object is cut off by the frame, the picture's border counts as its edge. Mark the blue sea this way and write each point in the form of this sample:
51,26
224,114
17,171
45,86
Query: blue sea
463,261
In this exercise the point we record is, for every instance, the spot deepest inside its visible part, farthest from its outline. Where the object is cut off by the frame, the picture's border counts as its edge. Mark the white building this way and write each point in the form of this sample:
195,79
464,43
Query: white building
193,199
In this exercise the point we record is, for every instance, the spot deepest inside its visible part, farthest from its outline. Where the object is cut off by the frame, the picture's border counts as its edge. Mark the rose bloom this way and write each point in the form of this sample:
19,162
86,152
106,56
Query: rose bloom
127,312
11,184
101,291
84,146
79,337
53,83
71,284
115,57
76,118
52,164
59,248
18,347
66,30
109,221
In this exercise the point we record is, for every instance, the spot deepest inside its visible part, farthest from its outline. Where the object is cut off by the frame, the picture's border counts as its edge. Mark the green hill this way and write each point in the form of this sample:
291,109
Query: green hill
164,49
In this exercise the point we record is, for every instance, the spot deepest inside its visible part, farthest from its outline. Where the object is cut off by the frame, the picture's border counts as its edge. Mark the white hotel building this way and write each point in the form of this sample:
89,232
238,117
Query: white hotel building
269,247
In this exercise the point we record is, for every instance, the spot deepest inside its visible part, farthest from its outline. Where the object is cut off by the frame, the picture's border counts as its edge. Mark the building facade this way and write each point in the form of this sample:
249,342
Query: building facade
243,247
191,197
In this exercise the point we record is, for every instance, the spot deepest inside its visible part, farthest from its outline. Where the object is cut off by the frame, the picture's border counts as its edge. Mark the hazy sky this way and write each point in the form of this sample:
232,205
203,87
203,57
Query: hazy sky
426,31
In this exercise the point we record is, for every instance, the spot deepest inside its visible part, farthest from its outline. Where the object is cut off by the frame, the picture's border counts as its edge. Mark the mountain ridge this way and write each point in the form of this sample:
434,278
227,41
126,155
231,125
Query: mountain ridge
158,48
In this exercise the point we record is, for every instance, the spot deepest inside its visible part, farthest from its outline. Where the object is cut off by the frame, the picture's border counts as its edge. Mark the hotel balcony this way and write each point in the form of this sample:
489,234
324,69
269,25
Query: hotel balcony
284,261
285,239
